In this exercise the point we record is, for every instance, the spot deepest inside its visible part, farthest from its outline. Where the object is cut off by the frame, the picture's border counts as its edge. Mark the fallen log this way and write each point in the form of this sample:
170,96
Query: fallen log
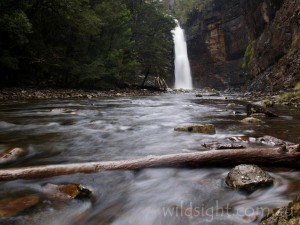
261,156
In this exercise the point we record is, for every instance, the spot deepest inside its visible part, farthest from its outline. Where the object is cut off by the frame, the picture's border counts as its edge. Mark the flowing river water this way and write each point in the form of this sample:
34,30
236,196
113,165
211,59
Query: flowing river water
68,131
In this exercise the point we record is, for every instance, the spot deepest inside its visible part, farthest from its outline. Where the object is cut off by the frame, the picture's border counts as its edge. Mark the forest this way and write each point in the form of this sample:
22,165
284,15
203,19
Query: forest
84,43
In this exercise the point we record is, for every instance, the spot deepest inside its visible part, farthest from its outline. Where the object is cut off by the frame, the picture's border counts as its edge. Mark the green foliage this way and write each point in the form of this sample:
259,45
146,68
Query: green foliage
291,98
17,25
297,87
152,37
83,43
249,53
15,28
294,44
183,8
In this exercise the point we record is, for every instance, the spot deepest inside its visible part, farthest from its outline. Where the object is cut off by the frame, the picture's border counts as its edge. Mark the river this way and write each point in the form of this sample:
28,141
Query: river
67,131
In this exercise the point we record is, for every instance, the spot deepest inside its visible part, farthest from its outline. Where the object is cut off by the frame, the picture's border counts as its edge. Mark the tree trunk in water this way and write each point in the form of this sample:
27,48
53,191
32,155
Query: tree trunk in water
219,158
161,84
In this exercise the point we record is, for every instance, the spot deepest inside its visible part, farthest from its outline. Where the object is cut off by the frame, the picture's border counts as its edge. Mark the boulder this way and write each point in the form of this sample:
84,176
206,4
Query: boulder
253,108
252,120
10,207
288,215
12,154
273,141
67,191
248,178
199,128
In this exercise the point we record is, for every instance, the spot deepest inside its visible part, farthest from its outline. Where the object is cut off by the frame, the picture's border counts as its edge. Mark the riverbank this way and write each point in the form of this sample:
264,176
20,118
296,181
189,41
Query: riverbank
49,93
290,97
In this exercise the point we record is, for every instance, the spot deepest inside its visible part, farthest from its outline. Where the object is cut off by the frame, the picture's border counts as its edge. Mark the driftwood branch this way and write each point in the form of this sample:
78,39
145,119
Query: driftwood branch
220,158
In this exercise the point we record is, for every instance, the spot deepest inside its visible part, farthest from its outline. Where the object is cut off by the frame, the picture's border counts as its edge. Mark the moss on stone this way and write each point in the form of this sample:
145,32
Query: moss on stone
297,87
249,54
288,215
295,41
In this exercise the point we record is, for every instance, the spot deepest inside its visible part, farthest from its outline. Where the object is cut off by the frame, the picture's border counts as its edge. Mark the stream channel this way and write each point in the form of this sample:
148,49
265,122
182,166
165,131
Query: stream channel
69,131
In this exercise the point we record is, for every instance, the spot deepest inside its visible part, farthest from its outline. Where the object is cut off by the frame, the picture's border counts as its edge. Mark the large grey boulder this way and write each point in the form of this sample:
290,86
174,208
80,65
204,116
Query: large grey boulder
248,178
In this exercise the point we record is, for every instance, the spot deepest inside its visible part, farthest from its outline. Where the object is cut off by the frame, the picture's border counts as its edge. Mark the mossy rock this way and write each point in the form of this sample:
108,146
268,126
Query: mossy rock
199,128
252,120
290,98
288,215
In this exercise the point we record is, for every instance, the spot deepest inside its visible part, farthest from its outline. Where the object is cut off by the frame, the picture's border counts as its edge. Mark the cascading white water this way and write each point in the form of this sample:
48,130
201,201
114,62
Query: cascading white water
183,77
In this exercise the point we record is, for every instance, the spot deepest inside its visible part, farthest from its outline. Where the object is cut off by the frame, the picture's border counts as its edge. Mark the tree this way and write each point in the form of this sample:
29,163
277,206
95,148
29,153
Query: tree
183,8
111,47
153,39
15,29
83,43
59,48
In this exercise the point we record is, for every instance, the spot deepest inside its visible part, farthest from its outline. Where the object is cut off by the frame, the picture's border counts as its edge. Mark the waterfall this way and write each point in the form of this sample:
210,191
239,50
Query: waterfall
183,78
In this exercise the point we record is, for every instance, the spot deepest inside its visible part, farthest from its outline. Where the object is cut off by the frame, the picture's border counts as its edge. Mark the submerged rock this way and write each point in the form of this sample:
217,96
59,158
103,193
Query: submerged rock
252,120
289,215
12,154
272,141
258,115
10,207
230,105
211,94
67,191
265,140
199,128
268,103
220,146
248,178
239,139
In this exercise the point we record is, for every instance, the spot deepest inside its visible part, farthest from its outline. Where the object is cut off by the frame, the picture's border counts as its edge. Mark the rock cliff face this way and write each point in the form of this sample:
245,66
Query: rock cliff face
217,39
274,27
236,41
